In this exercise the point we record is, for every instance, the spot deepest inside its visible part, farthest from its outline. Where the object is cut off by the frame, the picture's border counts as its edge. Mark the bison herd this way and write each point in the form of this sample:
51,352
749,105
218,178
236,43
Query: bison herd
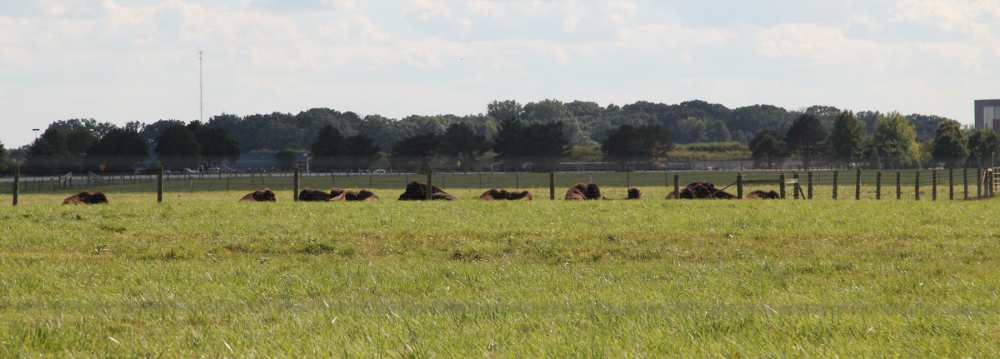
416,191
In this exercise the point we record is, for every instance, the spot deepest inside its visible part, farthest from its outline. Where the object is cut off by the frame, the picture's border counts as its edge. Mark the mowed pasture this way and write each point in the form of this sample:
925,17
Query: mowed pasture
203,275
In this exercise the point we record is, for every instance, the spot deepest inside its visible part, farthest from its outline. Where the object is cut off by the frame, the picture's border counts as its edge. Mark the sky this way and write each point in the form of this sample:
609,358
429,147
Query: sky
137,60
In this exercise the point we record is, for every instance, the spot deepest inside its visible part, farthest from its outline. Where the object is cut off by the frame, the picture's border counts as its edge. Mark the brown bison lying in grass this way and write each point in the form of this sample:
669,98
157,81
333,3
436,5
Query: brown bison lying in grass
764,195
351,196
336,195
86,198
634,193
701,190
582,191
264,195
501,195
311,195
416,191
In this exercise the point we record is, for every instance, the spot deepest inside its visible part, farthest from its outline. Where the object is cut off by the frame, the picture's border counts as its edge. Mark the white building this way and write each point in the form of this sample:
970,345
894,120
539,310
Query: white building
988,114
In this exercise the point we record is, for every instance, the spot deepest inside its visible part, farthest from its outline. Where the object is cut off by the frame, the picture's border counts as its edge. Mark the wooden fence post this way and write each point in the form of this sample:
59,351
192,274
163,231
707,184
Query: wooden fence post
934,182
628,179
878,185
430,185
979,183
552,186
795,188
857,186
739,185
809,184
677,186
899,185
916,185
159,185
990,182
836,186
951,184
295,185
781,186
965,183
17,181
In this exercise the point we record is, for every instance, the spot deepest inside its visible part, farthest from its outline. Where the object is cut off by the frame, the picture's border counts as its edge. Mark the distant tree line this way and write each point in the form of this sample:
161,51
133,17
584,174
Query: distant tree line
892,142
509,134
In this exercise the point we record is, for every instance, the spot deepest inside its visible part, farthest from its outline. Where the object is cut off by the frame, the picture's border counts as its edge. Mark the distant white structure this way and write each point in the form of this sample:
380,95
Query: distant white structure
988,114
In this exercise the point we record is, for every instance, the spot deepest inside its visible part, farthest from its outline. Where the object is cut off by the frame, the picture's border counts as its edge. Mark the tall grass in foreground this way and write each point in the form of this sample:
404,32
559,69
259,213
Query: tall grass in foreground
203,275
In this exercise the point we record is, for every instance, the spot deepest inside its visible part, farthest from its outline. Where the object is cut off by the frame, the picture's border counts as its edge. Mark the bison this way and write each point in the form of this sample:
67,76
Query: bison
582,191
86,198
361,196
337,195
634,193
416,191
501,195
764,195
264,195
311,195
701,190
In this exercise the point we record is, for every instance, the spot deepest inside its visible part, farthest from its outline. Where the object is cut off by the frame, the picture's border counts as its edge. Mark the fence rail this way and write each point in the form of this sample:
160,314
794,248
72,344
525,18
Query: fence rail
947,184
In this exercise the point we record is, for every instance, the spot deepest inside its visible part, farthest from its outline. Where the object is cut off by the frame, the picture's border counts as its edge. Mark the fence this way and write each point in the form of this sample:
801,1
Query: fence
947,184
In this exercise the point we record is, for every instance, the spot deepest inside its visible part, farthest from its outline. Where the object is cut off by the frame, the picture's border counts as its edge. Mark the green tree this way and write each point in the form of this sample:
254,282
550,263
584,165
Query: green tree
518,144
717,131
806,137
4,161
415,152
119,150
767,149
286,159
49,154
328,150
178,148
463,144
949,146
361,150
848,138
629,143
691,130
895,141
504,111
984,145
217,146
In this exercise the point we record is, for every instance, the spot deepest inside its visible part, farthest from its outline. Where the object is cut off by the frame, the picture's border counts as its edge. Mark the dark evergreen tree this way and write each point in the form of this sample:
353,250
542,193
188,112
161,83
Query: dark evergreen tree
415,152
767,149
178,149
848,138
120,150
806,137
361,151
632,144
463,144
328,150
950,147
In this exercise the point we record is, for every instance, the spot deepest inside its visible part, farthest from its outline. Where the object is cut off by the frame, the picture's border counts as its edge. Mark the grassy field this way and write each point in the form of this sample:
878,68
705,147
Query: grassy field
201,275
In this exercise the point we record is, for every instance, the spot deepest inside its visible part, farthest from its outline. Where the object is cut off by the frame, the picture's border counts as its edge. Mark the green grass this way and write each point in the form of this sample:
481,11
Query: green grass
202,275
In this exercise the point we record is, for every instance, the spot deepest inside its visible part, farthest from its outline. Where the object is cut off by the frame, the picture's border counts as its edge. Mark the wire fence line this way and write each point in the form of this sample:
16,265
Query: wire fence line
947,184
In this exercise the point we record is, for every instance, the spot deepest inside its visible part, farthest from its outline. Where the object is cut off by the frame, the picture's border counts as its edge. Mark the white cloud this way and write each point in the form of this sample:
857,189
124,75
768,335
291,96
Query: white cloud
823,44
430,9
620,10
670,36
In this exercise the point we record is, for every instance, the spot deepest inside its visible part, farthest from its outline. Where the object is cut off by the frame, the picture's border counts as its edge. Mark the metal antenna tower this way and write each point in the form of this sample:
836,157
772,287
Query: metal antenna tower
201,88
